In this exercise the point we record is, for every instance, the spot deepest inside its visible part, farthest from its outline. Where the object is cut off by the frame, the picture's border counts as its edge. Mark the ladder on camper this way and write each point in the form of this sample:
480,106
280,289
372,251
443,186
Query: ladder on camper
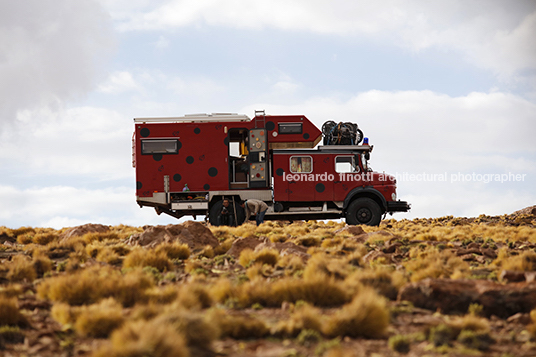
260,118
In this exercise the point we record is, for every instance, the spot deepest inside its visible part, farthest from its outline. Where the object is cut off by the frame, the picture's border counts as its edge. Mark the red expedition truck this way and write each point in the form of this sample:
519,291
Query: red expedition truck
189,165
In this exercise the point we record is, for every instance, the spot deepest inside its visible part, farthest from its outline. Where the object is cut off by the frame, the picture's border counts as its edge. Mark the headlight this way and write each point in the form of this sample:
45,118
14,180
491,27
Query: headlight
393,196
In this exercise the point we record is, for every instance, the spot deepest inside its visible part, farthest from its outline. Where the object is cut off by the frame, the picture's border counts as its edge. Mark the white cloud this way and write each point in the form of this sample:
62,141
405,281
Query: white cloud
85,141
162,43
49,52
119,82
494,35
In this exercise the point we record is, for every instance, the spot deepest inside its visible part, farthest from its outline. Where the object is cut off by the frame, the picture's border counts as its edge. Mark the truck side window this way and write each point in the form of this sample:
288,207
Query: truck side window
290,128
169,146
345,164
301,164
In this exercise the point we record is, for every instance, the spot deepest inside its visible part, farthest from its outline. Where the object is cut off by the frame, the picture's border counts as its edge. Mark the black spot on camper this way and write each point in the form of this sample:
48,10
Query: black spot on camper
197,130
212,171
179,145
306,136
145,132
157,157
270,126
206,187
190,160
279,172
226,141
177,177
320,187
139,185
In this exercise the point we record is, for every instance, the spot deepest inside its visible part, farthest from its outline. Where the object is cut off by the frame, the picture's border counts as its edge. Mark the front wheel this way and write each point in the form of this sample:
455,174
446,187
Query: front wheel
364,211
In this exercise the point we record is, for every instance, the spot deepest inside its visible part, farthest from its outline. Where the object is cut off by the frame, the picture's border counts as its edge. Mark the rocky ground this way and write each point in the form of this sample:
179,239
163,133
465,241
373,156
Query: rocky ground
446,286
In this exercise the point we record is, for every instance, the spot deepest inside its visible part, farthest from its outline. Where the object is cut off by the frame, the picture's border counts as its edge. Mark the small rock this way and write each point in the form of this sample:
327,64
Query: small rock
520,318
350,230
243,243
83,229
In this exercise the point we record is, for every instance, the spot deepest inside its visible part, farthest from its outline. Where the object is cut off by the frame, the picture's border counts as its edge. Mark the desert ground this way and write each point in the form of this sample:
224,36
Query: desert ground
449,286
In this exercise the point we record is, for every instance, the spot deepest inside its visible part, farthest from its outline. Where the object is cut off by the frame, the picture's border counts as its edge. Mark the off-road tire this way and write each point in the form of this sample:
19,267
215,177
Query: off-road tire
364,211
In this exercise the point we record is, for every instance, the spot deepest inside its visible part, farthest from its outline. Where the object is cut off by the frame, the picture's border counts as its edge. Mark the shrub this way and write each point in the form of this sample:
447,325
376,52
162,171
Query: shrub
441,334
92,285
432,263
305,317
194,296
99,320
21,269
162,295
291,263
174,250
384,280
366,316
99,237
108,255
523,262
237,326
478,340
144,338
44,238
41,264
399,343
140,257
264,256
197,331
321,265
532,327
10,314
11,334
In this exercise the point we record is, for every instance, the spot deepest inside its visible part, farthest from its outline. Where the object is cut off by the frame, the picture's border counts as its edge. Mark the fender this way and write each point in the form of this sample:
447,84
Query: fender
368,191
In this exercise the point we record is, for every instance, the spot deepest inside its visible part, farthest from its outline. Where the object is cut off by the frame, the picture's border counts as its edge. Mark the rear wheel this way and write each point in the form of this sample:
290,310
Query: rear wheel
364,211
215,213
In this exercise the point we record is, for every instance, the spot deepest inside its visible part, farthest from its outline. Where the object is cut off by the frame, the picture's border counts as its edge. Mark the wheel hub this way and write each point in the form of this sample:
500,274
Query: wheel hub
364,215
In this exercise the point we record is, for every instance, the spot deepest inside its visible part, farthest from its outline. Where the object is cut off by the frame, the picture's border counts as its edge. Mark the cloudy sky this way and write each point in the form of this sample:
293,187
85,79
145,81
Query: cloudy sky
445,90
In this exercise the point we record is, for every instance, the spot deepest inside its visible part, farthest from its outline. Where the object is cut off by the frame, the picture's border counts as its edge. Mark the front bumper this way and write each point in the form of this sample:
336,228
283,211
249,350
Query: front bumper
398,206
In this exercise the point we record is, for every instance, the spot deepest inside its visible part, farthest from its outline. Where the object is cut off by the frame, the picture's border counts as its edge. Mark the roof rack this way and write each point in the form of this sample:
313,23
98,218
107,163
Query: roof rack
196,118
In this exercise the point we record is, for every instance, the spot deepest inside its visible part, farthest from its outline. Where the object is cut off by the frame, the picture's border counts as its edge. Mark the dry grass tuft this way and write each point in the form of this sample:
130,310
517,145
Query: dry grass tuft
194,296
99,320
162,295
432,263
44,238
305,317
532,327
237,326
141,257
323,265
109,256
145,338
291,263
366,316
41,264
174,250
526,261
384,280
21,268
10,314
99,237
197,330
92,285
264,256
